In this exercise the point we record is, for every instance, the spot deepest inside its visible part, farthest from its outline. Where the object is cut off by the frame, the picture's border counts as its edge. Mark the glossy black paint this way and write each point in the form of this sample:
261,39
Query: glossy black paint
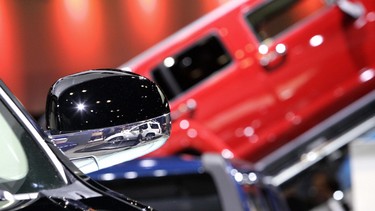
80,101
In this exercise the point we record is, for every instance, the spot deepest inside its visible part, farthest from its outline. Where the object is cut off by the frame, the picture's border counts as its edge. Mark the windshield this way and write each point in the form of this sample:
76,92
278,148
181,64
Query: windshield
25,167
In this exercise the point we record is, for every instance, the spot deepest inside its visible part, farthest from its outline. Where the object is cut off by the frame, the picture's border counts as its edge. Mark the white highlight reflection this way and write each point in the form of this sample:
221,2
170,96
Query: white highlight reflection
316,40
280,48
184,124
263,49
169,62
367,75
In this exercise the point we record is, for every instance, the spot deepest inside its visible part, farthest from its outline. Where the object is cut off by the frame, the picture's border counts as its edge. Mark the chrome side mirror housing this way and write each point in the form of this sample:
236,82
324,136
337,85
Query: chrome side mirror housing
103,117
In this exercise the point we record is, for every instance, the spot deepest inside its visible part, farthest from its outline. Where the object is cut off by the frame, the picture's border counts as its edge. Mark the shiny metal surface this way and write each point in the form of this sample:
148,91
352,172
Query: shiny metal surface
103,117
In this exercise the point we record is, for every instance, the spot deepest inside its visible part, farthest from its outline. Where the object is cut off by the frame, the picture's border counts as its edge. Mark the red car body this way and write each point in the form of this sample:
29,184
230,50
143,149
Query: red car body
252,75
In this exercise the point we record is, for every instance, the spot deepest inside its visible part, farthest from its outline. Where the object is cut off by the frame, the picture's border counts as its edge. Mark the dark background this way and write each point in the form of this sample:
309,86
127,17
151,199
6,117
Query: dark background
42,40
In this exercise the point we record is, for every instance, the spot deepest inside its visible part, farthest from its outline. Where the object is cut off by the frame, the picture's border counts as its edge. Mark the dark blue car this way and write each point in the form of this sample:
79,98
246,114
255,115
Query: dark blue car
209,182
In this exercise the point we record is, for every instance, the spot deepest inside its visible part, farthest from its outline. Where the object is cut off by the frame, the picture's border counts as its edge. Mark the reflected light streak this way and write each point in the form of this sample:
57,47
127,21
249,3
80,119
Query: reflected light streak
287,89
239,110
127,69
367,75
311,156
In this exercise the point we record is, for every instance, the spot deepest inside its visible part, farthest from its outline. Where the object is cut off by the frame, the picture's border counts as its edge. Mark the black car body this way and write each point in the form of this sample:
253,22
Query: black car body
193,183
36,175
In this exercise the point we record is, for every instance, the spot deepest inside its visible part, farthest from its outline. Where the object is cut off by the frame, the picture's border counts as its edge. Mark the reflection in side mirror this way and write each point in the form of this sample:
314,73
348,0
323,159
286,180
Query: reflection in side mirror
100,118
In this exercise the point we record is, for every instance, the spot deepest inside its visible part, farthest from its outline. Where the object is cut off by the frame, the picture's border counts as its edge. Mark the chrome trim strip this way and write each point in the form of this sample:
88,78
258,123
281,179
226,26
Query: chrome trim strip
319,152
308,135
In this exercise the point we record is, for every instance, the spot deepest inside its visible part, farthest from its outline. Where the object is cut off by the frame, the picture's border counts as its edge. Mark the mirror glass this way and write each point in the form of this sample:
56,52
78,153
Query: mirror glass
103,117
91,150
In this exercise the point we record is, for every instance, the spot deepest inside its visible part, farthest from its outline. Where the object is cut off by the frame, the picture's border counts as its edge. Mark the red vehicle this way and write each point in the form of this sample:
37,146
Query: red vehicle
252,75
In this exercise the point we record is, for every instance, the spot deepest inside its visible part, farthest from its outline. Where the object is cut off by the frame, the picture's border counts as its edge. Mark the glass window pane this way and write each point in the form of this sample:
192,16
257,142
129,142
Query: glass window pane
191,66
277,16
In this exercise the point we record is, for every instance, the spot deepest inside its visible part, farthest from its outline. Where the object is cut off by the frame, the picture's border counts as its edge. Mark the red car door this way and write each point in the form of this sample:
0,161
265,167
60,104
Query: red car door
306,48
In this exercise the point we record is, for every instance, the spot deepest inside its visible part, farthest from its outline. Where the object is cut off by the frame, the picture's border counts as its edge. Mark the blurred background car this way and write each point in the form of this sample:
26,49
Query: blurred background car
187,182
146,130
251,76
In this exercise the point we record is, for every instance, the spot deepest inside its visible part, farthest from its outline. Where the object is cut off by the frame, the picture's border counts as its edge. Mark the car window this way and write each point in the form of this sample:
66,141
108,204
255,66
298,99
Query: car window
277,16
144,126
180,72
154,126
13,160
136,129
25,168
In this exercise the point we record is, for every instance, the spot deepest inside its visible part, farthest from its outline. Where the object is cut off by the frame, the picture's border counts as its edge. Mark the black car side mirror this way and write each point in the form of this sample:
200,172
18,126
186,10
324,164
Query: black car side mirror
103,117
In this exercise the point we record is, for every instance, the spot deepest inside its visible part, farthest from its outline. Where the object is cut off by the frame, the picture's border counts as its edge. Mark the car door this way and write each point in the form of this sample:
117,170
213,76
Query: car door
304,48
